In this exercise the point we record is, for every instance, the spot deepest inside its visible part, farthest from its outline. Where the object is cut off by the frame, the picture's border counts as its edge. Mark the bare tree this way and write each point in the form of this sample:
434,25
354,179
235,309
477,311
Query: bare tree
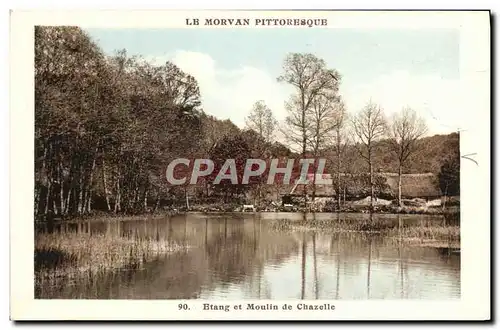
262,121
406,128
369,125
310,78
325,119
341,142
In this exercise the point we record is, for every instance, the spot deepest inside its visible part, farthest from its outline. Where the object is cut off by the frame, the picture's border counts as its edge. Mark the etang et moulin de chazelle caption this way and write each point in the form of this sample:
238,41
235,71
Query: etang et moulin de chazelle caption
265,307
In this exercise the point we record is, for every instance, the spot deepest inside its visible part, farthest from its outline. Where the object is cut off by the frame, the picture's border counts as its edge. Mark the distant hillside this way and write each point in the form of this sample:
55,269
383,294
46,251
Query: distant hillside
431,153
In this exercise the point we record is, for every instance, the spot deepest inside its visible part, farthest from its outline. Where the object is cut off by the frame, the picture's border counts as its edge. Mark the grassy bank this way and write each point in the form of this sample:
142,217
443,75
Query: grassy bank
63,257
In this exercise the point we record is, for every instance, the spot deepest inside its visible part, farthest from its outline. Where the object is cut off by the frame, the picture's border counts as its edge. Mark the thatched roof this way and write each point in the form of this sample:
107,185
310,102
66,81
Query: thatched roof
413,185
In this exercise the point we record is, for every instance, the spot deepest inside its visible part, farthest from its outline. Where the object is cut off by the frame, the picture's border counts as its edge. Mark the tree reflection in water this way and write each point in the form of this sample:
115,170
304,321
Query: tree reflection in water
241,257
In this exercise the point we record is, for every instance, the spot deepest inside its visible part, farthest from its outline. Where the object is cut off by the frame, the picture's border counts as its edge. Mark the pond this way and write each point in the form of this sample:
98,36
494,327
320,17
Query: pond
242,256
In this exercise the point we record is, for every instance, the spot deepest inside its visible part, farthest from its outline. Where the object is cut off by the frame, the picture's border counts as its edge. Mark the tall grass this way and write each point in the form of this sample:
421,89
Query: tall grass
425,232
334,225
429,232
66,257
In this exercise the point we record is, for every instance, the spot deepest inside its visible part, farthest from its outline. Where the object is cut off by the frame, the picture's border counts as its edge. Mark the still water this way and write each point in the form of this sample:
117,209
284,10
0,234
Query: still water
243,257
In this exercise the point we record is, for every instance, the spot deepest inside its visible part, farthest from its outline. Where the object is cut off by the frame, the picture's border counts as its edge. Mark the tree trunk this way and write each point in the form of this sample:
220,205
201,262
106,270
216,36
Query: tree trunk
36,205
91,179
259,197
339,188
118,201
304,143
304,192
80,194
339,161
372,186
54,206
118,194
135,199
400,202
41,182
69,207
157,204
187,198
313,195
89,202
68,198
145,200
47,198
105,183
61,188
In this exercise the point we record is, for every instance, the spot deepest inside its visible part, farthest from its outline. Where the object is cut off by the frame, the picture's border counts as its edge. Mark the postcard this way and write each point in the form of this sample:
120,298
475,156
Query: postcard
250,165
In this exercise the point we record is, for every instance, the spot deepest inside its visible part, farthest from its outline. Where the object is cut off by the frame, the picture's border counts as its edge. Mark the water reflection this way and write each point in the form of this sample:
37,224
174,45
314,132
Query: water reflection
240,257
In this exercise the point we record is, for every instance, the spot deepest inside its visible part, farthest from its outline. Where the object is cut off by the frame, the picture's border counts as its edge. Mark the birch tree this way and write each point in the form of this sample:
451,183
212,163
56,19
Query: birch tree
310,79
405,129
340,145
325,119
261,120
369,125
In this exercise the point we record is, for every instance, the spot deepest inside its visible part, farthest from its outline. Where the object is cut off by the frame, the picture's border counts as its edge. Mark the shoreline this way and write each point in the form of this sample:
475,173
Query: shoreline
454,212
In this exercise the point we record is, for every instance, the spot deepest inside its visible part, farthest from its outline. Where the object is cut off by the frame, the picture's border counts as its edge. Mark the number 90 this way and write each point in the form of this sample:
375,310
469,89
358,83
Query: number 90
183,307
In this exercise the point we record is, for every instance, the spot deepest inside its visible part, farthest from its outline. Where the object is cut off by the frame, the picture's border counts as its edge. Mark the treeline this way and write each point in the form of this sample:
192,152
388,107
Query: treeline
106,127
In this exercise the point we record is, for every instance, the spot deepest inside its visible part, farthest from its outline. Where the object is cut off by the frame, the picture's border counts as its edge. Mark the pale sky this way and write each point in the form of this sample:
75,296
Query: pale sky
237,67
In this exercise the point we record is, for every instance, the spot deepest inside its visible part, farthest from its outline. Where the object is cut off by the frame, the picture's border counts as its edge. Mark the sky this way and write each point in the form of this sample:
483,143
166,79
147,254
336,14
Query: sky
235,68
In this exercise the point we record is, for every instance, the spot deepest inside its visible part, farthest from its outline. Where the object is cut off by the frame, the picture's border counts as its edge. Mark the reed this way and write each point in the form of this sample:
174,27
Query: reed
428,231
65,257
334,225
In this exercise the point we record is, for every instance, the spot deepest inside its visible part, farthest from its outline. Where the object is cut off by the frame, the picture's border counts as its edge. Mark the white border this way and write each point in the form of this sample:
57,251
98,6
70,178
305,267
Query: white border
474,71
